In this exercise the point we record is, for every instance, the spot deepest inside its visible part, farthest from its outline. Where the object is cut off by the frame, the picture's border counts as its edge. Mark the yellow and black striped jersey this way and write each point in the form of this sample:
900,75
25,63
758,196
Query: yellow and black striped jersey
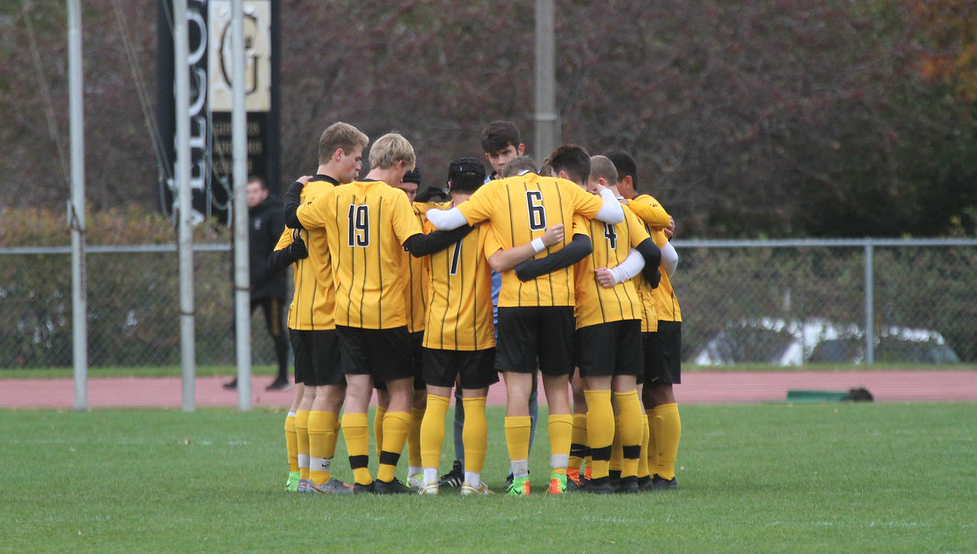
460,314
416,293
649,211
366,224
612,245
520,209
660,303
314,298
666,303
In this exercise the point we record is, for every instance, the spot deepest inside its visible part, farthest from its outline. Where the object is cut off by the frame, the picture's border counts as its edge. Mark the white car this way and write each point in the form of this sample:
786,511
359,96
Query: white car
787,343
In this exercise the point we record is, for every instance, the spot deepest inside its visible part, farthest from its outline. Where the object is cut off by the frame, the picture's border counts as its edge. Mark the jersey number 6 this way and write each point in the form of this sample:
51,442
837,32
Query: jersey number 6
537,215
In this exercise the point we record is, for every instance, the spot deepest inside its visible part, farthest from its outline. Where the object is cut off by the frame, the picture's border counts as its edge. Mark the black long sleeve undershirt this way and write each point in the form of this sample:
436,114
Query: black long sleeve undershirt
653,258
424,245
579,248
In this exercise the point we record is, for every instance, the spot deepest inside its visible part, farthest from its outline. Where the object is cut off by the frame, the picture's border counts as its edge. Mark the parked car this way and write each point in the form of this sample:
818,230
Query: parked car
785,343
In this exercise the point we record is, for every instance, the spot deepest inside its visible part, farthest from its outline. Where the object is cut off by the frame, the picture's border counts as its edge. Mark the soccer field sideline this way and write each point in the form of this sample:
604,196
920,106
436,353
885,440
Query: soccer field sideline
698,387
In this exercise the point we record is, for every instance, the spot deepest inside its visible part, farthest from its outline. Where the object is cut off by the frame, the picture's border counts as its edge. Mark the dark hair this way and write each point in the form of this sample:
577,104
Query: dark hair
572,159
412,176
465,174
625,165
499,135
258,179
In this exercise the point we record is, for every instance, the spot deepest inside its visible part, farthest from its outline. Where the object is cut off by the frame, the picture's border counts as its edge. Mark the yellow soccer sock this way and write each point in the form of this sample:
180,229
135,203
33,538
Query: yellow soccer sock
600,430
302,437
632,430
517,430
396,425
652,443
474,434
291,443
414,437
643,470
378,428
561,429
322,445
668,431
357,436
578,443
617,455
432,431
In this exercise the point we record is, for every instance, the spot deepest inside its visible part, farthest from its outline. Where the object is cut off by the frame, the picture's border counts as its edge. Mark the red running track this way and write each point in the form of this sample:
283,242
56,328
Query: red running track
698,387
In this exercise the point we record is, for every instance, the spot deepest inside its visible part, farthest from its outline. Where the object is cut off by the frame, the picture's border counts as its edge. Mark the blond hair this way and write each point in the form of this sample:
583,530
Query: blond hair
390,149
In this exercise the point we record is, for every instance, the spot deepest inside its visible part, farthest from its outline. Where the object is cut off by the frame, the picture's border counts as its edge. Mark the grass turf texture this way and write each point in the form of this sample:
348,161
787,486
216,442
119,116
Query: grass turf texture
753,478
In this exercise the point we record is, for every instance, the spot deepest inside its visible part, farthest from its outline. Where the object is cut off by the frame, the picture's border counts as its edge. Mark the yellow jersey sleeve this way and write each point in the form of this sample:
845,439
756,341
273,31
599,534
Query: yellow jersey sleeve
649,211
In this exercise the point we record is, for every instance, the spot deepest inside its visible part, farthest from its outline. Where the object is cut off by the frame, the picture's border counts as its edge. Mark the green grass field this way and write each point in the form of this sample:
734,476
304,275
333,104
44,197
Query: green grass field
753,478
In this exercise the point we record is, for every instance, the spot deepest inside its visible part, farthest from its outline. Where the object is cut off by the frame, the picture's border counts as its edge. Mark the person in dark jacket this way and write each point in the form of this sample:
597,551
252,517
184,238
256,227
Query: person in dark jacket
266,221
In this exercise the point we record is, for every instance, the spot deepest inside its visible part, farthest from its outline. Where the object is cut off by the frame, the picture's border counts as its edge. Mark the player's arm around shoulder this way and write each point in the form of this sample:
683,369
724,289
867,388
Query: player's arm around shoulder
649,211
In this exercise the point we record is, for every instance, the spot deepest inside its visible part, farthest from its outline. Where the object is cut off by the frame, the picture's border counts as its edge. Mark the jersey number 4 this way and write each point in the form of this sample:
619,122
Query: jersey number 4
611,235
359,225
537,214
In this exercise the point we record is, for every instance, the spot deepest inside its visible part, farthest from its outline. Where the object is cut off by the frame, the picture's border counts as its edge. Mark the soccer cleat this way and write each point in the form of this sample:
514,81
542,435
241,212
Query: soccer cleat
416,481
573,474
303,486
519,487
364,489
429,488
332,486
659,483
628,485
645,484
453,478
599,486
577,487
558,483
279,384
391,487
292,485
472,490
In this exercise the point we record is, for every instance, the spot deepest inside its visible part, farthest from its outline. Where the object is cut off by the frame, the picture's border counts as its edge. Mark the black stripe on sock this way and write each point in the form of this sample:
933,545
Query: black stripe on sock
603,453
632,452
578,450
389,458
357,462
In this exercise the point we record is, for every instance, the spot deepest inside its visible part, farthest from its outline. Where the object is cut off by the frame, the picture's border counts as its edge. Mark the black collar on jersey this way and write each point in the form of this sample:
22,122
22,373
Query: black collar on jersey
321,177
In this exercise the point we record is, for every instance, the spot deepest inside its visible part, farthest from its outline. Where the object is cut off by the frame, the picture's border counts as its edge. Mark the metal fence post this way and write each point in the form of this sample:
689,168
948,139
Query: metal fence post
869,304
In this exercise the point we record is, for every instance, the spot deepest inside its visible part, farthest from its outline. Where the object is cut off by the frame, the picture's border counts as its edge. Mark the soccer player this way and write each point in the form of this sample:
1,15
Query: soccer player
607,341
416,295
663,347
459,340
535,320
367,224
311,316
502,143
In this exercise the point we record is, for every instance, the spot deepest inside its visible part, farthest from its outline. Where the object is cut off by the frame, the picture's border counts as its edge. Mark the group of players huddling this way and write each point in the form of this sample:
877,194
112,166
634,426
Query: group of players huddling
557,275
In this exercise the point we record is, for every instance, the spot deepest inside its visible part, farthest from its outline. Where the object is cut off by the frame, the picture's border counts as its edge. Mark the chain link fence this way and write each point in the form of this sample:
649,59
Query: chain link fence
776,302
133,308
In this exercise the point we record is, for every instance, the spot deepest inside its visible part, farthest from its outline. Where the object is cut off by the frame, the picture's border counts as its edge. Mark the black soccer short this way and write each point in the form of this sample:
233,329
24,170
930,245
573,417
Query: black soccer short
385,354
417,340
663,354
476,368
318,359
531,333
609,349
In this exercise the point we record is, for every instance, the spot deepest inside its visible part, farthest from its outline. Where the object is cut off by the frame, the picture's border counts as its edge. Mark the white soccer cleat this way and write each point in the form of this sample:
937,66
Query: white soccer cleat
468,489
416,480
429,488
